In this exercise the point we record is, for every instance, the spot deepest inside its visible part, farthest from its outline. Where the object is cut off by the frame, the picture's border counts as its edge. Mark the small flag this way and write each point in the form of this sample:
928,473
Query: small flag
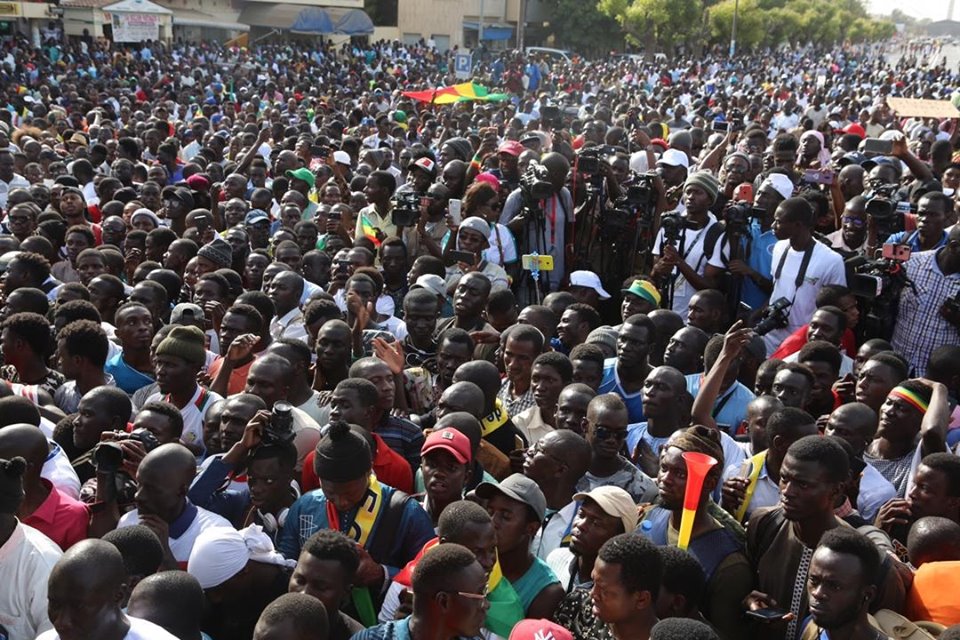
370,231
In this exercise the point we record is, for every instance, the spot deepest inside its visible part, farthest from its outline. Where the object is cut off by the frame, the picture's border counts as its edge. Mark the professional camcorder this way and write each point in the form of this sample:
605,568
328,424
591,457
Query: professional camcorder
406,209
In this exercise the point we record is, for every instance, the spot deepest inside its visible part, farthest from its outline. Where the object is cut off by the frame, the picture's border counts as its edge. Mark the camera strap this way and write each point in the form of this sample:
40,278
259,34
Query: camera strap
804,264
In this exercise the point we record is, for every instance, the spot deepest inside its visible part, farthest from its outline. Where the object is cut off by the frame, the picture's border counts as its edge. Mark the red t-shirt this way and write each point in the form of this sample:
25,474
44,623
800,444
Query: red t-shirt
798,338
391,469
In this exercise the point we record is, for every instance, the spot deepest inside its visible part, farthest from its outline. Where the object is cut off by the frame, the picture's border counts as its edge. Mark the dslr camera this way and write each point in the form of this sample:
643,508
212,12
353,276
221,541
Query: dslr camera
776,316
108,455
280,428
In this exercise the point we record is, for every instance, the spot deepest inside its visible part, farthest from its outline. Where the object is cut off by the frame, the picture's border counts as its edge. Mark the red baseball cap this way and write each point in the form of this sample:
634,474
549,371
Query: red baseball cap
512,147
451,441
855,129
539,630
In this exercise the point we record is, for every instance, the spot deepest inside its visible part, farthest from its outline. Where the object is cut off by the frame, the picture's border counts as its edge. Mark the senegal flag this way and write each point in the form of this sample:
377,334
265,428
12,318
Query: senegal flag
369,230
505,609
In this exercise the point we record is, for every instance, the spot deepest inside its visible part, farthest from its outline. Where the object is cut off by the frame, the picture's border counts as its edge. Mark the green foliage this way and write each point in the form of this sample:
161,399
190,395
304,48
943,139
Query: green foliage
582,27
760,23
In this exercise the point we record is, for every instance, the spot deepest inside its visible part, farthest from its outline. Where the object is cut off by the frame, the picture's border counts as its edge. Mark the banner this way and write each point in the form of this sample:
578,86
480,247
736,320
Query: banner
910,107
135,27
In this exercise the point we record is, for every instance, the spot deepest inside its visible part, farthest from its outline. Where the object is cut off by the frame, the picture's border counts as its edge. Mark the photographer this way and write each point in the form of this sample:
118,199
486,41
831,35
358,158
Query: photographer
268,491
541,226
929,314
751,262
682,259
801,266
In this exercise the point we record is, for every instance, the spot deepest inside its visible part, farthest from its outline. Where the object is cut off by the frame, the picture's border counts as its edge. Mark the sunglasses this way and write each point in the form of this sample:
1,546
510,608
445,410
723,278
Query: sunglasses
602,433
857,222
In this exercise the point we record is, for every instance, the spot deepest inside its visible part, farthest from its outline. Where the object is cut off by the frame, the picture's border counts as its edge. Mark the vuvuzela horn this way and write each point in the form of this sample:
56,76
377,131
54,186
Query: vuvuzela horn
698,466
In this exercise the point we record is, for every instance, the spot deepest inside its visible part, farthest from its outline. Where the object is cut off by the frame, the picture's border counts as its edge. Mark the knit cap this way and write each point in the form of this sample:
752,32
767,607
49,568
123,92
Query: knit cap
184,342
342,455
217,251
705,181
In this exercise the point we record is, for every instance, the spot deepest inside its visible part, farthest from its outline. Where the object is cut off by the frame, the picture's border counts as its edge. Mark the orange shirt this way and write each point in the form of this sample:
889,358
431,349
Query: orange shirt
934,593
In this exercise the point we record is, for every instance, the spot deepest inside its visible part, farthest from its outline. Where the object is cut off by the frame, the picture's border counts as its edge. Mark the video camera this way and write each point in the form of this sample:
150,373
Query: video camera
886,211
535,182
776,316
108,455
879,284
672,225
589,160
406,209
737,217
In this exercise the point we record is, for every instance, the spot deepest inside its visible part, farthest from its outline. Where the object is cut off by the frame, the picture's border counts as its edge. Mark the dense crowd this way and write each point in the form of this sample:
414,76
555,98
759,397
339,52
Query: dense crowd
289,354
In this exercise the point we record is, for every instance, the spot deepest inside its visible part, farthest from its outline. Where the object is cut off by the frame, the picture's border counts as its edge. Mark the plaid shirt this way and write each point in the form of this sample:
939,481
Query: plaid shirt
920,329
515,405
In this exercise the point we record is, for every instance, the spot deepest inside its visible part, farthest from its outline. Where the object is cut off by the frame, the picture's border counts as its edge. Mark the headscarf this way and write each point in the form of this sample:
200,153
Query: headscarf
221,553
823,157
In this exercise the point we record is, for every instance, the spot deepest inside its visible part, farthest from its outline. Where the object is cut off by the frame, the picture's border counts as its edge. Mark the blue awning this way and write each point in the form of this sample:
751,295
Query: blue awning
313,20
355,22
491,31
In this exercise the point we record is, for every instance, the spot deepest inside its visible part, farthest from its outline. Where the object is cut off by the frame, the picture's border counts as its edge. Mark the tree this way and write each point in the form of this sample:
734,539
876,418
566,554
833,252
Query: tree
751,27
582,27
658,24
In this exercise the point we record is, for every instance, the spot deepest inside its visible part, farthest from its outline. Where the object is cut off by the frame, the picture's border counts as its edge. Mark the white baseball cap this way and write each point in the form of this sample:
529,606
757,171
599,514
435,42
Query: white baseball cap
674,158
589,280
342,157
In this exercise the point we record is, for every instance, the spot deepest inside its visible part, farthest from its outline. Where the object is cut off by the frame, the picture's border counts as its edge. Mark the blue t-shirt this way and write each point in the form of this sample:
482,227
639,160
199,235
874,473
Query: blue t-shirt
611,384
913,239
761,261
393,630
537,578
732,404
126,377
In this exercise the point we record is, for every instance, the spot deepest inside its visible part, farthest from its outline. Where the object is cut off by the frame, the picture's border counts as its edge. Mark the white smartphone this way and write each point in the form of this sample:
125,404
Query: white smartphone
453,207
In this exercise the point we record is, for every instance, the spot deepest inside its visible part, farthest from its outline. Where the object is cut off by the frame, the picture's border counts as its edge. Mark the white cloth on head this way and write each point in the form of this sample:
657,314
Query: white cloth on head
780,183
221,553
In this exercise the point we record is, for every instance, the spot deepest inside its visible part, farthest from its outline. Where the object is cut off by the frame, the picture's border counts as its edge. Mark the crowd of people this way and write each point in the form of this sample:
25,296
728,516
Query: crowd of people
287,353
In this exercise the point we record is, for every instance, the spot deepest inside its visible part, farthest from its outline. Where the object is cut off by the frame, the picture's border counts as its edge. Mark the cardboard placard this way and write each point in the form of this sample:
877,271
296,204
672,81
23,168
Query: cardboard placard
910,107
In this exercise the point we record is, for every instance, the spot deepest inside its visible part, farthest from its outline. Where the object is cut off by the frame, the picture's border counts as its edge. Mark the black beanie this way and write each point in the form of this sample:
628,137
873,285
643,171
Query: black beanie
342,455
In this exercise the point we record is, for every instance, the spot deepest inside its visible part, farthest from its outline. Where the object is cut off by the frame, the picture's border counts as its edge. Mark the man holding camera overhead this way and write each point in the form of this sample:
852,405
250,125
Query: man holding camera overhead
685,243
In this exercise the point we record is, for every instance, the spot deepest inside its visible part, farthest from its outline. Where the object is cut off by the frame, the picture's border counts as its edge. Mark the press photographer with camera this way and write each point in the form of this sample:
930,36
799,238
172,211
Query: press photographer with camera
539,214
745,249
259,467
685,243
801,266
928,315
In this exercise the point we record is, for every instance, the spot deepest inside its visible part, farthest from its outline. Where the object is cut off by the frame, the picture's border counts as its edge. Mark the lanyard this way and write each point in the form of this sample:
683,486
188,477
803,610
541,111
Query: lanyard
801,274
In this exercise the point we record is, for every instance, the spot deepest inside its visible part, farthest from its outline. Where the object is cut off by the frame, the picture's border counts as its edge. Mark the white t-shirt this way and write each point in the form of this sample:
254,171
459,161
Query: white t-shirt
691,248
26,560
826,267
140,629
182,546
61,474
192,413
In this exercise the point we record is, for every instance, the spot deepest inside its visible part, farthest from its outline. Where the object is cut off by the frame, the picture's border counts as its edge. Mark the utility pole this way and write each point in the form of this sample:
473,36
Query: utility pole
480,26
733,33
523,22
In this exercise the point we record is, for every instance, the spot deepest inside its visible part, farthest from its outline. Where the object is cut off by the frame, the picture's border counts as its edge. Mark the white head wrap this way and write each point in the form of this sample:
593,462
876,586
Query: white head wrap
779,183
221,553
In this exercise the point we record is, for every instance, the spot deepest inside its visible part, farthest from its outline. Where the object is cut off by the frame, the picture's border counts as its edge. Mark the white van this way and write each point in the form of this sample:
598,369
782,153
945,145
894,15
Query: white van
552,55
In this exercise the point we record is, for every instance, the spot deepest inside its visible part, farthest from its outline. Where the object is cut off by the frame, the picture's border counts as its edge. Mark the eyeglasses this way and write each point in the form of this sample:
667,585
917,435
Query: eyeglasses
538,448
602,433
857,222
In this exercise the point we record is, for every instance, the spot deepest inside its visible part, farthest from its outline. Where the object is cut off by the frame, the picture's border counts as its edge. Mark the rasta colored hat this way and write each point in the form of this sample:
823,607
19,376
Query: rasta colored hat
646,290
705,181
186,343
342,455
217,251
